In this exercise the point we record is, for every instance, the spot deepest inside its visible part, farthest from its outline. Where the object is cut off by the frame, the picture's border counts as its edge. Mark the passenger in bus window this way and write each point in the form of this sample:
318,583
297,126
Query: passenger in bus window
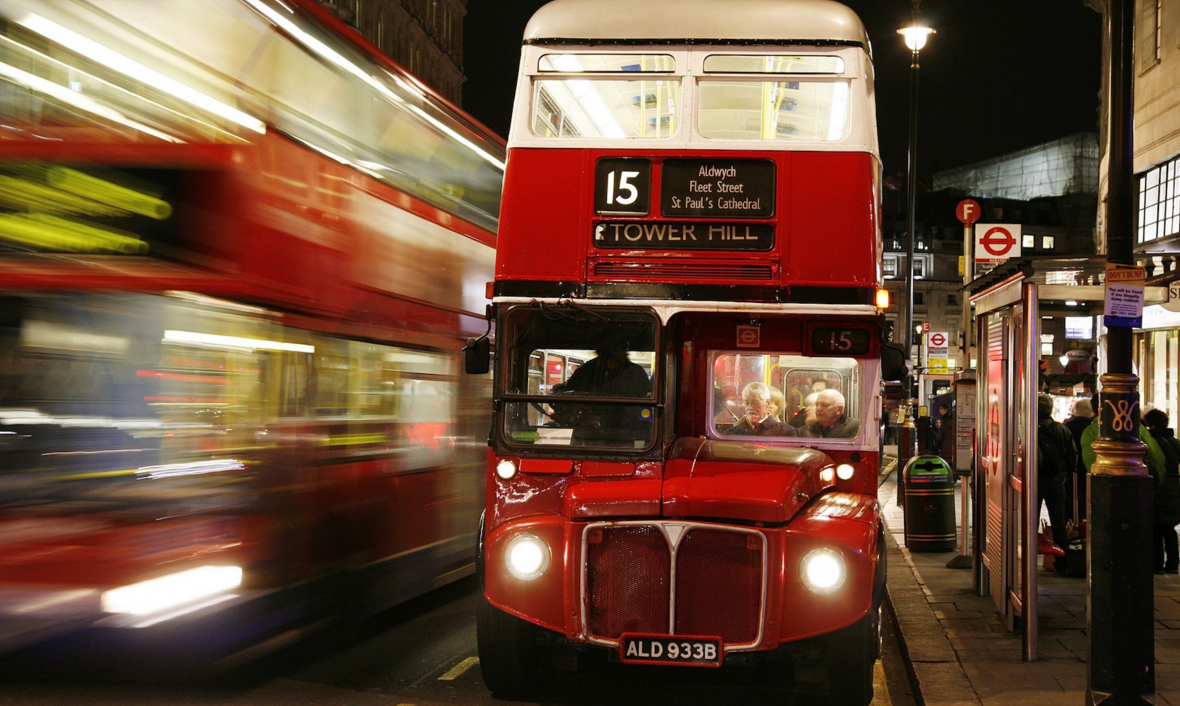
758,420
778,403
806,413
830,420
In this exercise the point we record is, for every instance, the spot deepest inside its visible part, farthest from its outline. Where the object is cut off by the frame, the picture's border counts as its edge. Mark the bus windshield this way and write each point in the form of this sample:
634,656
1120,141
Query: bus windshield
781,395
580,378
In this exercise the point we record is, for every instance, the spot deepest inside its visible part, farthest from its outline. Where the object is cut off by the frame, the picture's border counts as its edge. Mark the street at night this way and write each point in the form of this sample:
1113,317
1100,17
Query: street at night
578,352
421,653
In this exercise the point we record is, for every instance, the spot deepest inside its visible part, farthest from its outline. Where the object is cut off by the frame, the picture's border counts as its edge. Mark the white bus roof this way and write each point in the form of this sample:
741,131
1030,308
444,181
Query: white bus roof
695,22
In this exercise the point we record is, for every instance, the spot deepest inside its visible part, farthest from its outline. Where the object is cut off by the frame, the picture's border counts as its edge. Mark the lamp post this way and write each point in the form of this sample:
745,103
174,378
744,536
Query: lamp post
1120,618
915,38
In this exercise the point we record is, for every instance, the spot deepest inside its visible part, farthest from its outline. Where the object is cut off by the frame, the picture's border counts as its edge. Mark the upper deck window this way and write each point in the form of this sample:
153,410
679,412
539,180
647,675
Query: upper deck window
747,64
606,108
745,109
607,63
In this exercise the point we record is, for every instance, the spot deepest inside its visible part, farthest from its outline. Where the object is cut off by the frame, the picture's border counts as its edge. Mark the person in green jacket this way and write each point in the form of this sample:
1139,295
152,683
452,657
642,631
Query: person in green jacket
1154,458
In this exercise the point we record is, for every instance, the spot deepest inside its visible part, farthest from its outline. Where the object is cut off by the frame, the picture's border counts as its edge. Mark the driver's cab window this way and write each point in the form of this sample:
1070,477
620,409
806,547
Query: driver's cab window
784,396
579,378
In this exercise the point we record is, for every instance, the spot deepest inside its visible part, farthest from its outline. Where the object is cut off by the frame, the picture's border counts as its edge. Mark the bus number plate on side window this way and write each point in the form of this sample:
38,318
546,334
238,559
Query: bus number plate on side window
684,651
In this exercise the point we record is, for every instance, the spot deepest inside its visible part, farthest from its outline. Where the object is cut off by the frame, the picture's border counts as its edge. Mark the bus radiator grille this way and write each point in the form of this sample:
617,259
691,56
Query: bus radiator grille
719,585
628,580
718,582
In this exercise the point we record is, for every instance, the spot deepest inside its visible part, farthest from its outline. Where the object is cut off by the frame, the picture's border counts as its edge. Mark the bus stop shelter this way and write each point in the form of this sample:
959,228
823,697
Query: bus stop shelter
1009,303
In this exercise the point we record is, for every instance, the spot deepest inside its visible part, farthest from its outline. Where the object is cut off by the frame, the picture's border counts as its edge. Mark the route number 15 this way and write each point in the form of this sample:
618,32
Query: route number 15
836,341
622,186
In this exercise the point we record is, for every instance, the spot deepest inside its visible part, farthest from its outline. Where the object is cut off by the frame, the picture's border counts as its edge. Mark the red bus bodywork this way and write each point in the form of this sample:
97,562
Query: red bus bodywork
827,232
341,498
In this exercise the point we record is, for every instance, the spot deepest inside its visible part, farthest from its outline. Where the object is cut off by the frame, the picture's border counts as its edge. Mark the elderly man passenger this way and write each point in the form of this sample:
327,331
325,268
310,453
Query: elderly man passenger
830,420
758,420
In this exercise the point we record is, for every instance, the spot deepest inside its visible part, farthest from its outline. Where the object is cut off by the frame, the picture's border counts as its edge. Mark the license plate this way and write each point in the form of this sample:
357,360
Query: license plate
665,649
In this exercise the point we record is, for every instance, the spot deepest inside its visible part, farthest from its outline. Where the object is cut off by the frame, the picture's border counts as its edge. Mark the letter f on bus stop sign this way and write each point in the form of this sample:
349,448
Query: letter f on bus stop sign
967,211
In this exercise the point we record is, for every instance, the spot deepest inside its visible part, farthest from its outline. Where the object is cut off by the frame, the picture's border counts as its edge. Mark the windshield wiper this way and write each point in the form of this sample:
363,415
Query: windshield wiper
559,312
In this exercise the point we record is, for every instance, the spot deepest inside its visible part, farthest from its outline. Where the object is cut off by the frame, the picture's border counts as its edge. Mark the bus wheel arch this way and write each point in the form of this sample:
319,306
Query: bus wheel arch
510,657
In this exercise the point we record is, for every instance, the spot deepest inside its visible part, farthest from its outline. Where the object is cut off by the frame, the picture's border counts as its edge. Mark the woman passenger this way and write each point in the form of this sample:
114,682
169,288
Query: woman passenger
778,402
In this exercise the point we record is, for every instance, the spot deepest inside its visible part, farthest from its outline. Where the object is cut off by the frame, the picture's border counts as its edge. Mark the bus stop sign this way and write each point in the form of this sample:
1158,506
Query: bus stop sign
996,242
967,211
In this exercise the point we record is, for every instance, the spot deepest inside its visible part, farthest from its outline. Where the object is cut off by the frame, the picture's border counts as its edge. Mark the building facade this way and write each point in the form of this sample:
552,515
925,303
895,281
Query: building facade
424,36
1049,190
1156,165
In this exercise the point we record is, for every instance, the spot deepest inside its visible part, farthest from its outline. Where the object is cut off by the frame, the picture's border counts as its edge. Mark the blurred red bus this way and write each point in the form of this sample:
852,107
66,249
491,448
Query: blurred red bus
239,251
690,214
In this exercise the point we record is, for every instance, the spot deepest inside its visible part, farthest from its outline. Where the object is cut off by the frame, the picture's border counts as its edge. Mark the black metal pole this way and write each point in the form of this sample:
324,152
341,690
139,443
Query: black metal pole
906,434
1119,615
912,198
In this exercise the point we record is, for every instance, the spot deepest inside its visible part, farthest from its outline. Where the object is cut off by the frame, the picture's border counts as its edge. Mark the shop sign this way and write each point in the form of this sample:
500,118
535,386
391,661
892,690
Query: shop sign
1173,303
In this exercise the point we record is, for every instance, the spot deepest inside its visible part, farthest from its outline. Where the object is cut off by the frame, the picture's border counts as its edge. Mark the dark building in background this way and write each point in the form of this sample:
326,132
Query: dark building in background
1050,190
425,36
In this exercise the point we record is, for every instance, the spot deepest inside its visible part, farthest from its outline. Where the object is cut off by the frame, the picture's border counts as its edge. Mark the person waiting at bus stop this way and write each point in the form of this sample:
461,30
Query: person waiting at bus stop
1056,458
1166,509
758,420
1075,485
830,420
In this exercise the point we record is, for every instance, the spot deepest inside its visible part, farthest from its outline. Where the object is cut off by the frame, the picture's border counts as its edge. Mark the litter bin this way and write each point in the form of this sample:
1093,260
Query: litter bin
929,504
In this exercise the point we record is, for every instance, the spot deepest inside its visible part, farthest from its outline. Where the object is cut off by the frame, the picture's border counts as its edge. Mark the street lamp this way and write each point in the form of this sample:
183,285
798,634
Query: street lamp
915,38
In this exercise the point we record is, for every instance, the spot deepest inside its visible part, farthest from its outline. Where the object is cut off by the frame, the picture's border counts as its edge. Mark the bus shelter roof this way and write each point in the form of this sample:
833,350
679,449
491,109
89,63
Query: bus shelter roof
1067,286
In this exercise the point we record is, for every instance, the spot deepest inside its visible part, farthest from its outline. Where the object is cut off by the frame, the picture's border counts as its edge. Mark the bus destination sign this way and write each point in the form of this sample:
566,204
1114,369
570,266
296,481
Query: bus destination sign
717,188
683,235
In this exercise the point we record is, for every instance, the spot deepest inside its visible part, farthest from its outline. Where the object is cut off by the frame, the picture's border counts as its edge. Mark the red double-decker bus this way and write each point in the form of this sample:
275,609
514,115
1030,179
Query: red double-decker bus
685,452
239,252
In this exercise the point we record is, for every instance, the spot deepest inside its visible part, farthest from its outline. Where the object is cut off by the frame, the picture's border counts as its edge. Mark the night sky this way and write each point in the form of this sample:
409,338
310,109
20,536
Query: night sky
999,75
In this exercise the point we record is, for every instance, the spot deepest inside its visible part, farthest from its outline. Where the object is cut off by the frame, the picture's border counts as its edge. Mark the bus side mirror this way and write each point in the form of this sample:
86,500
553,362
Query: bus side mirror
894,366
477,356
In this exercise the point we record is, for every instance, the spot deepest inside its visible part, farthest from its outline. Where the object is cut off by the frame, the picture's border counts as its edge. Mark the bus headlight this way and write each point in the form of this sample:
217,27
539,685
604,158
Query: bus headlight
845,471
170,591
827,475
506,469
823,571
527,557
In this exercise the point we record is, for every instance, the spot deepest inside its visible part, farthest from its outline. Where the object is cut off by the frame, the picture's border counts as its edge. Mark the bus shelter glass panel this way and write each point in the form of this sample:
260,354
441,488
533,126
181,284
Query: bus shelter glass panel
594,386
611,108
782,395
773,110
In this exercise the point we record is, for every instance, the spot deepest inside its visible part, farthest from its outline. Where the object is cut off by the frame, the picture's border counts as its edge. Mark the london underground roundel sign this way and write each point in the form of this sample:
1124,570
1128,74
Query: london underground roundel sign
997,241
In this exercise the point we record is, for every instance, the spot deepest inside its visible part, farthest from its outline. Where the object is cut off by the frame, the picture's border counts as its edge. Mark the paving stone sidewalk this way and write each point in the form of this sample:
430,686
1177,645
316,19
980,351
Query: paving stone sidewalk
959,652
